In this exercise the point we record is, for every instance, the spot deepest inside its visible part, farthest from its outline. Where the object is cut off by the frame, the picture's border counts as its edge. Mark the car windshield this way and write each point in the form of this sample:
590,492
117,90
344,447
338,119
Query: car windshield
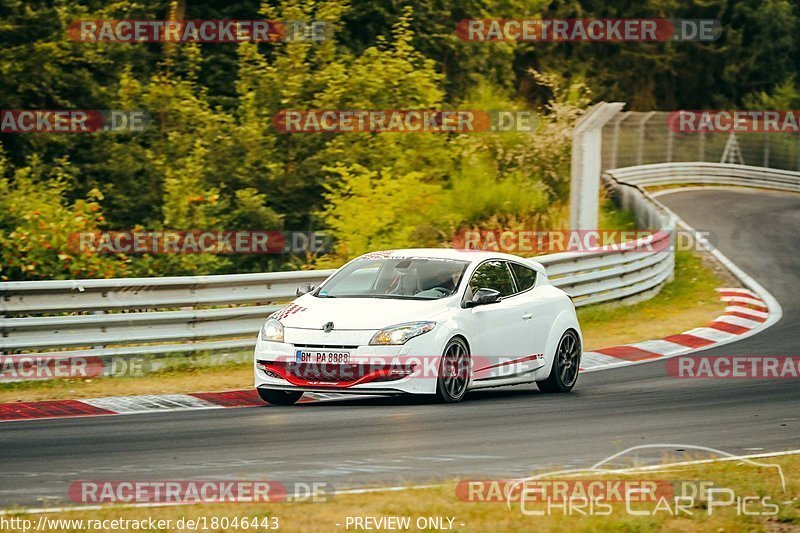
414,278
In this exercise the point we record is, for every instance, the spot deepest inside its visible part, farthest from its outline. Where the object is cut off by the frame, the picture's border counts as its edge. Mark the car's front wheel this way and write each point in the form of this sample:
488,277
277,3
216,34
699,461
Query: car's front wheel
280,397
454,371
566,363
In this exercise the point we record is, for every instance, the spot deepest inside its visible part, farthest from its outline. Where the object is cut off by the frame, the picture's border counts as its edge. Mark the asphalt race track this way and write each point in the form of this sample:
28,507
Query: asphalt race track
502,433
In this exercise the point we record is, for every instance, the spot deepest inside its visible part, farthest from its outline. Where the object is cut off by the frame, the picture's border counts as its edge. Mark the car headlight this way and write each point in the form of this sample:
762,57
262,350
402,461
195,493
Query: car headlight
401,333
272,330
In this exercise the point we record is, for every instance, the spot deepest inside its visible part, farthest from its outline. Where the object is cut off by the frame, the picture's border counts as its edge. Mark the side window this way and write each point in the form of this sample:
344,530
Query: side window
493,275
526,277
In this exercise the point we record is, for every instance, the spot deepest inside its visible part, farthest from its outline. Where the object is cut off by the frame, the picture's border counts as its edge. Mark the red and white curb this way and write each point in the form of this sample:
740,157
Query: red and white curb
745,314
126,405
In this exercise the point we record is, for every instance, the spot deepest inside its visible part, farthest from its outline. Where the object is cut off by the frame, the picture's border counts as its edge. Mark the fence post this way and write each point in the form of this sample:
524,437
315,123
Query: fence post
766,151
615,145
702,144
587,140
642,123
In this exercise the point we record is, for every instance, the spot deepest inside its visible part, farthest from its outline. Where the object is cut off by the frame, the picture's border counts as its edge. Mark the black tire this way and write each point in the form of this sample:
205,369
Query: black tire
280,397
566,365
454,372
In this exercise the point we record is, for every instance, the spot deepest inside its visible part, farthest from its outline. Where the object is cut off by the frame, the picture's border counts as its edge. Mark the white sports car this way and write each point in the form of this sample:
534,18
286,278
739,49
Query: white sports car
424,321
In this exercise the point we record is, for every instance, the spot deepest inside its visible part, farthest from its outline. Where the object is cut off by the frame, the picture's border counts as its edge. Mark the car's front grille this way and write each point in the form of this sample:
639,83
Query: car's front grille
326,346
342,375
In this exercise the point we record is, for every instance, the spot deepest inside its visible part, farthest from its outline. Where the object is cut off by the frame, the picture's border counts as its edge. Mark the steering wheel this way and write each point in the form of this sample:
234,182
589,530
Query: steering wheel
444,291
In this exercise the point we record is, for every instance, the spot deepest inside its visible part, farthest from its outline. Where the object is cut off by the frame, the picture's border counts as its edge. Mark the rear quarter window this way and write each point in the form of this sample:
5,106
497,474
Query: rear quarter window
526,277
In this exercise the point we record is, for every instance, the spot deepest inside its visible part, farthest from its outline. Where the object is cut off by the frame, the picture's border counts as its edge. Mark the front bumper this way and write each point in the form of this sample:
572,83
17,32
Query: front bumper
408,368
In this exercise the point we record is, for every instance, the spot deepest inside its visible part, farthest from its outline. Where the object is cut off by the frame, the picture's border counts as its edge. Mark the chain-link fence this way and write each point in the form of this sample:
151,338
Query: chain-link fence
640,138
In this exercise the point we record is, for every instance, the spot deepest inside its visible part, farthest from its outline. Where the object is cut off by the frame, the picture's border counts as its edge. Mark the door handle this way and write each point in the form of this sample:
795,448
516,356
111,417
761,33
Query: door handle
527,316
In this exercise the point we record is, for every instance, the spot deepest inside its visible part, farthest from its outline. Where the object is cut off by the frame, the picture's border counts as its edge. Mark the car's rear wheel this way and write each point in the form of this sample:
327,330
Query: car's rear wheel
566,364
454,371
279,397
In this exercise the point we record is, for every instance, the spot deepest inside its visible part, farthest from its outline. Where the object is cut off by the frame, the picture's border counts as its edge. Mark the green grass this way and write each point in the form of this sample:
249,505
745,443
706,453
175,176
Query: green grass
744,479
688,301
613,218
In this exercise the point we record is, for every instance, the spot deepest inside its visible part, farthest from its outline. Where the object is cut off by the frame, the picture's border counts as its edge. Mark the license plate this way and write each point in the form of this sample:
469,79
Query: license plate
322,357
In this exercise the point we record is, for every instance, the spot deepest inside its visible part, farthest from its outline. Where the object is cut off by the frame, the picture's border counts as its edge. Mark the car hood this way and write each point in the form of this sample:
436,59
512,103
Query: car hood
359,313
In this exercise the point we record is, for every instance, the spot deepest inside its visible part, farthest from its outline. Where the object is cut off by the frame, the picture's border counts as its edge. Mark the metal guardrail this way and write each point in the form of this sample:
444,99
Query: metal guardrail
160,315
707,174
180,314
37,297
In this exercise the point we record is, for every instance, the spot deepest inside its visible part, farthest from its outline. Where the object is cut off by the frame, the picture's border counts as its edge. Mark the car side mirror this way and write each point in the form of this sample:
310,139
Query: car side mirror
305,289
483,297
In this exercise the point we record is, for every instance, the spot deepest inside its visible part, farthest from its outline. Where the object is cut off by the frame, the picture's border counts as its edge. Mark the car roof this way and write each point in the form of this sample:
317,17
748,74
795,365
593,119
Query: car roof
473,256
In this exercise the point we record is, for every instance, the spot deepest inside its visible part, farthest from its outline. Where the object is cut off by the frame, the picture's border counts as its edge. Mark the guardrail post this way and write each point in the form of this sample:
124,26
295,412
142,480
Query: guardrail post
670,141
798,152
587,152
673,241
98,312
